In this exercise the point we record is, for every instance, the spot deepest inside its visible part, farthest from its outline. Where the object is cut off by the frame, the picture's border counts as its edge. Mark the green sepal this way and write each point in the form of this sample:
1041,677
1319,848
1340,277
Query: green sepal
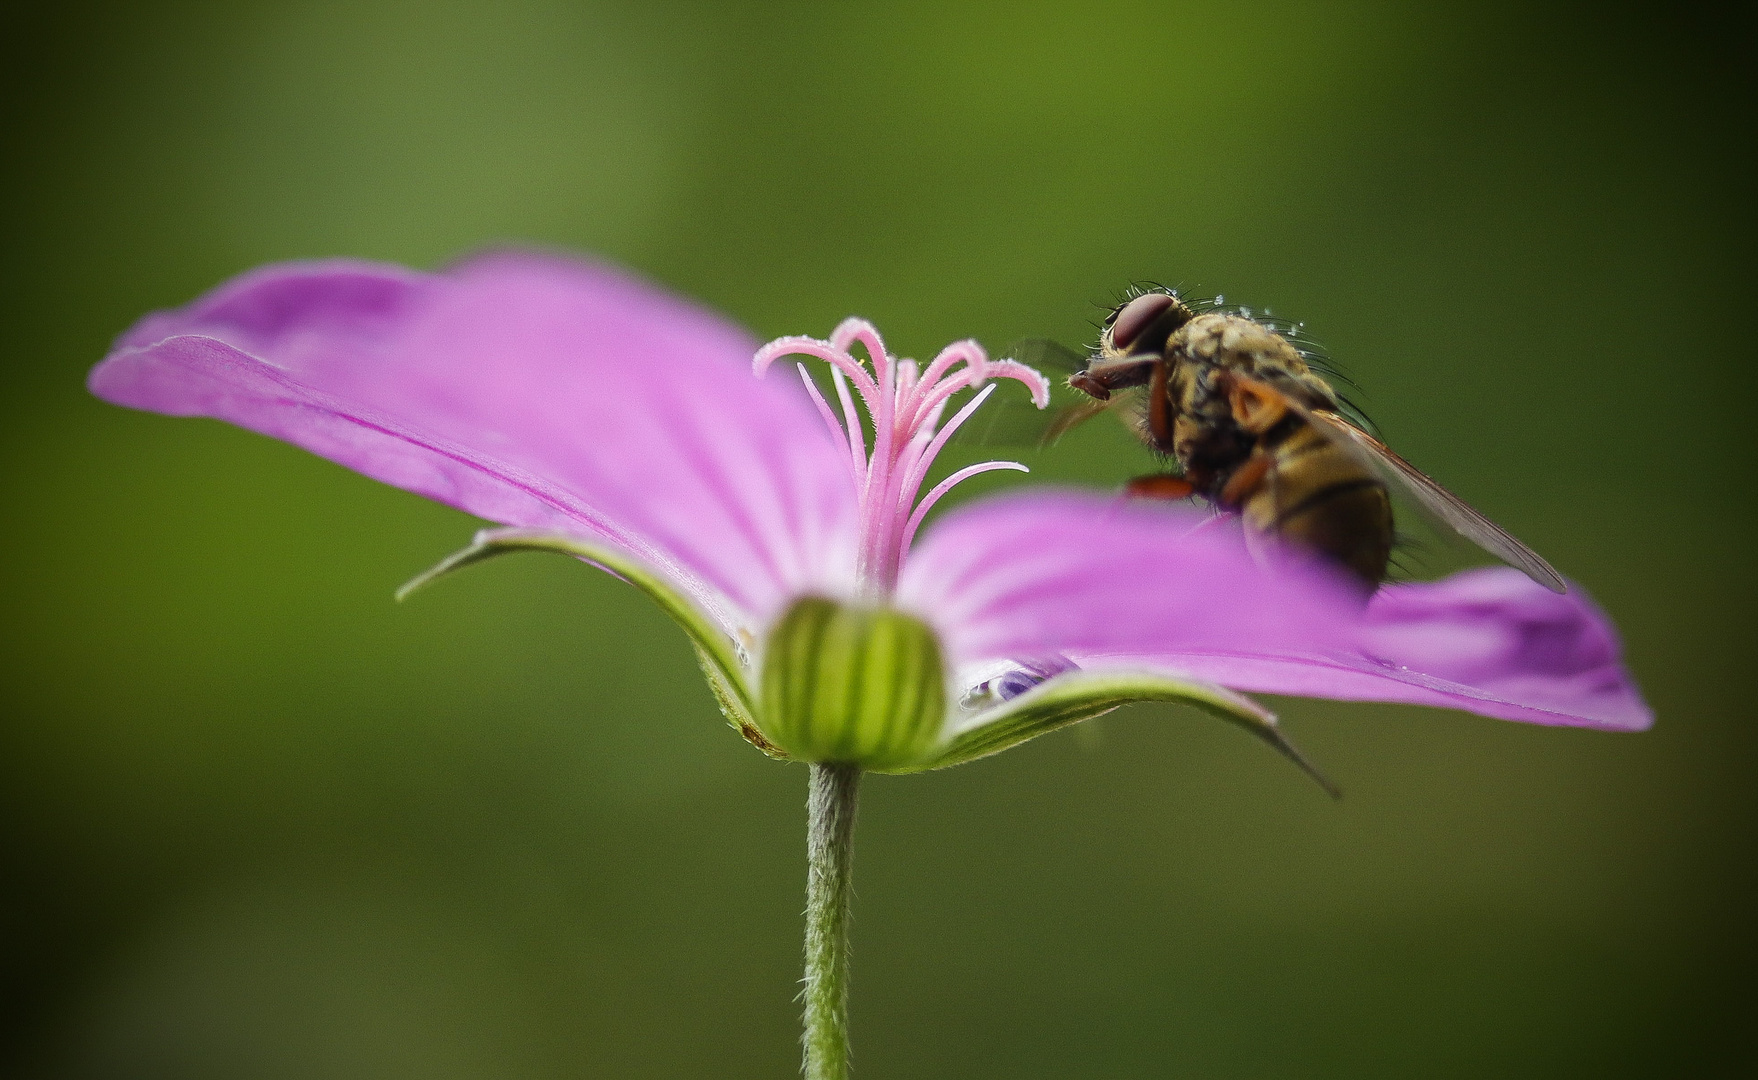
1081,695
734,707
726,676
855,685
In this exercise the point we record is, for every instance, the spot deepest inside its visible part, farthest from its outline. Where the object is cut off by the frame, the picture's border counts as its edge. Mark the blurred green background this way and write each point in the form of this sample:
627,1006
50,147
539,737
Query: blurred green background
259,821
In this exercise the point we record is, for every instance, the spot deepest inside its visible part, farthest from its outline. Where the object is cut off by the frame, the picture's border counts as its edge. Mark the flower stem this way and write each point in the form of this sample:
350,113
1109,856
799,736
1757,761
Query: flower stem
830,810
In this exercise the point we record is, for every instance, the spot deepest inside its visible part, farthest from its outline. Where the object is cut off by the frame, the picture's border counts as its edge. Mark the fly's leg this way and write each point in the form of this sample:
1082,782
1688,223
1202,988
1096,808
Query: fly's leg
1246,480
1161,486
1162,414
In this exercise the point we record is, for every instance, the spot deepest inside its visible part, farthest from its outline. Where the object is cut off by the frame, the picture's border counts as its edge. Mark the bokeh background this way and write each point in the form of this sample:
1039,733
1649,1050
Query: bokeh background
261,822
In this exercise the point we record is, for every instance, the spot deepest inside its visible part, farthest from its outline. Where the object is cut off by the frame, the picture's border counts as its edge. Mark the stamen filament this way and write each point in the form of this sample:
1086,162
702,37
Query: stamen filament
856,464
857,438
957,478
913,480
905,402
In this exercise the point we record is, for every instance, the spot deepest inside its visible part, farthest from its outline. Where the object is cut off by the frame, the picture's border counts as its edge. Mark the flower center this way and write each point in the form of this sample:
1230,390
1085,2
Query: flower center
905,404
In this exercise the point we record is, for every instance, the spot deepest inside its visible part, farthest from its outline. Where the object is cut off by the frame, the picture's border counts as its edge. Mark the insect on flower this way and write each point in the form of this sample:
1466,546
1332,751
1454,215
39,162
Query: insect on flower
1255,431
594,414
591,414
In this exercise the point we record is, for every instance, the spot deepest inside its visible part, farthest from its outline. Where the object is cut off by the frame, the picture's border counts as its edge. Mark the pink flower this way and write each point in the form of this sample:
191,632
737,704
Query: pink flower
596,415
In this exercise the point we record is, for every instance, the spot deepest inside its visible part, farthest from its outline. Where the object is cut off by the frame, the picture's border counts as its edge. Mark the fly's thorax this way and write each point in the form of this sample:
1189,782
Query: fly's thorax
1205,355
1236,342
1206,440
1198,390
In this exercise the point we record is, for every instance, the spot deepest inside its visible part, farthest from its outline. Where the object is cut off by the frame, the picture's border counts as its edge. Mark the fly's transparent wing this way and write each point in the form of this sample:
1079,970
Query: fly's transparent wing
1437,500
1049,357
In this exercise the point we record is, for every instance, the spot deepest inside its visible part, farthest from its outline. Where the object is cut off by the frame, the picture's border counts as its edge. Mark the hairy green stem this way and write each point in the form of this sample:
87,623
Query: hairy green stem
830,830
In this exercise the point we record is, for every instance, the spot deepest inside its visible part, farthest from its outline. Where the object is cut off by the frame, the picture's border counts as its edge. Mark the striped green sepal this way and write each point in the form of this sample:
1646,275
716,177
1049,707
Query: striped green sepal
854,685
1082,695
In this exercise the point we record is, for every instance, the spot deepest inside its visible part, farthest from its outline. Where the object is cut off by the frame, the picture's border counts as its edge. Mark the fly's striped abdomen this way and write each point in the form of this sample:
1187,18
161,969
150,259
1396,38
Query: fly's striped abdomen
1314,491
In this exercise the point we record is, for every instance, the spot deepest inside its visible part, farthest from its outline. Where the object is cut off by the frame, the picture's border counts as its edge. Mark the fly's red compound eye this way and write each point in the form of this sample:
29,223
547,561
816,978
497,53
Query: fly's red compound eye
1136,316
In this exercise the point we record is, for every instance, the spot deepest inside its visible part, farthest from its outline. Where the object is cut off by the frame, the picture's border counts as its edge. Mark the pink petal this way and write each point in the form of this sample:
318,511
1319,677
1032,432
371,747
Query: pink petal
1038,574
1516,649
530,390
1107,586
